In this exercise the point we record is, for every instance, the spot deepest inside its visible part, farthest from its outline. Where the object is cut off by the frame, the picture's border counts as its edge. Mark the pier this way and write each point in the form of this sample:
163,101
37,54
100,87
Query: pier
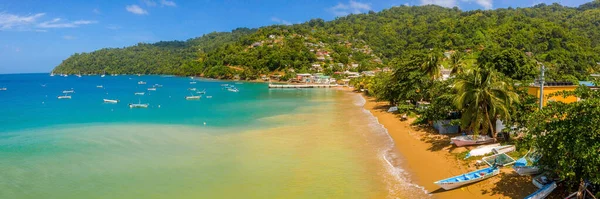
303,85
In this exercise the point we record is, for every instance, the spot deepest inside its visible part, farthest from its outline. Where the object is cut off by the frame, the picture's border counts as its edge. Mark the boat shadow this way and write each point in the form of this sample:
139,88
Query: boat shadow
511,185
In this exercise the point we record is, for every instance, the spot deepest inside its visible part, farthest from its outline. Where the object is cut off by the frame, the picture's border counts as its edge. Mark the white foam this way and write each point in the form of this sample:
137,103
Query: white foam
401,184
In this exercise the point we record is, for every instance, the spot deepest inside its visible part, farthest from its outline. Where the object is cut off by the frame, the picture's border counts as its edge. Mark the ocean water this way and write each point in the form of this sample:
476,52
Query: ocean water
257,143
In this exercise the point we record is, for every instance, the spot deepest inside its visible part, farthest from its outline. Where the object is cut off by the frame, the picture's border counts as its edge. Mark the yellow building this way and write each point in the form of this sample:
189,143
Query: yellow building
551,88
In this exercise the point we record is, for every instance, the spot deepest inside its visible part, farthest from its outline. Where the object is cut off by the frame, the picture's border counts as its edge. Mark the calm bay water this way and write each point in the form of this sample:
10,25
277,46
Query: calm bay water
257,143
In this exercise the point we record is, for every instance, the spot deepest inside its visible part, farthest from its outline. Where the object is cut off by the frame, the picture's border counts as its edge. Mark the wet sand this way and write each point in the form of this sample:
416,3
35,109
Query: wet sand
430,157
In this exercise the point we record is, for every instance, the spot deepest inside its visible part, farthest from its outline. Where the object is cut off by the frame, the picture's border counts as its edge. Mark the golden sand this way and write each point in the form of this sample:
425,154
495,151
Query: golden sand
430,157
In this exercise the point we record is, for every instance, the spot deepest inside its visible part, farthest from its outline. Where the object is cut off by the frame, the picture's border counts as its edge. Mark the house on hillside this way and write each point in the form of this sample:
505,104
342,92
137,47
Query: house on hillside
256,44
317,67
304,77
368,73
553,87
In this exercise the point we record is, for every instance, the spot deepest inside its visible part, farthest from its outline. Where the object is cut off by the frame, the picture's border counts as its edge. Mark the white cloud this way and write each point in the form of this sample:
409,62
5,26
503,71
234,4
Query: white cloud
135,9
11,21
486,4
353,7
69,37
149,3
443,3
167,3
56,23
280,21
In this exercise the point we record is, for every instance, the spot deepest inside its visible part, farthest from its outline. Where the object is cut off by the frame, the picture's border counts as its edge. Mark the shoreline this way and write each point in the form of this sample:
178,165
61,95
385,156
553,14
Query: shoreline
428,157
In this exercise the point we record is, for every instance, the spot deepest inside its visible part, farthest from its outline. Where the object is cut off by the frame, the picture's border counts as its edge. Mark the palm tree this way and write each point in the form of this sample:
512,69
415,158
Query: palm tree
431,65
483,97
457,63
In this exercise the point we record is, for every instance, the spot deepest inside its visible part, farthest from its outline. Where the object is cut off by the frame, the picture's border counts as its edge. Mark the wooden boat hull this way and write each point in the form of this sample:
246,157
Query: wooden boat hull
468,178
504,149
459,141
543,192
526,170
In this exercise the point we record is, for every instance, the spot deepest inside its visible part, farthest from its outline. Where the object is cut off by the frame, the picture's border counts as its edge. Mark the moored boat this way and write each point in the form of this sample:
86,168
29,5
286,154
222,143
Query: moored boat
138,105
468,178
235,90
68,91
64,97
208,97
542,192
99,86
193,97
192,89
467,140
3,89
141,82
152,89
111,101
201,92
192,82
139,93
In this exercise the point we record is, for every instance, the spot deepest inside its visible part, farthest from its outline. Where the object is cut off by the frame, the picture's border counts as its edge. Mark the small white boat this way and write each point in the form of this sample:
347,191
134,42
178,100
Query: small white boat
202,92
78,75
138,105
99,86
524,165
3,89
139,93
467,140
235,90
51,74
482,150
152,89
504,149
111,101
208,97
542,192
192,82
468,178
65,75
158,85
64,97
193,97
68,91
192,89
141,82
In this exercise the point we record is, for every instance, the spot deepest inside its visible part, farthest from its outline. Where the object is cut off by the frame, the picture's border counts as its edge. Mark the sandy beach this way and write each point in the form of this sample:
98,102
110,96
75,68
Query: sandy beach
429,157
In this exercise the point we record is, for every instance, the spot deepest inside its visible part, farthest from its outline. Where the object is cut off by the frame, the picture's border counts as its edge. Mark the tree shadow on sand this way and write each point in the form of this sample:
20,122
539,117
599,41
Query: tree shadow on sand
437,141
512,185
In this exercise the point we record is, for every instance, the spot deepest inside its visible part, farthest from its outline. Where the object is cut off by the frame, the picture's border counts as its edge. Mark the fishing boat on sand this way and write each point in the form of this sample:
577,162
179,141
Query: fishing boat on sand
524,165
482,150
468,178
542,192
504,149
111,101
467,140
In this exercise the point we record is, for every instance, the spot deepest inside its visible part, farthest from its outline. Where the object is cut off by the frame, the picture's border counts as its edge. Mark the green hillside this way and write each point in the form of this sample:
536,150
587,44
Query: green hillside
567,39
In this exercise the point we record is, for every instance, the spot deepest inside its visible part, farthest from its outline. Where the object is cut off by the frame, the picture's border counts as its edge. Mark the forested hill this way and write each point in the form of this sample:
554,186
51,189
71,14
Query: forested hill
567,39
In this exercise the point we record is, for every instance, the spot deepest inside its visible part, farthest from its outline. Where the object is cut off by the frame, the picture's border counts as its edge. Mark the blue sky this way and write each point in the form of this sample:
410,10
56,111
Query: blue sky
35,36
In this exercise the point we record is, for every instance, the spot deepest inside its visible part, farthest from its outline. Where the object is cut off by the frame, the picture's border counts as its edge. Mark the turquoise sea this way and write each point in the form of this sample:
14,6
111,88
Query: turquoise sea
256,143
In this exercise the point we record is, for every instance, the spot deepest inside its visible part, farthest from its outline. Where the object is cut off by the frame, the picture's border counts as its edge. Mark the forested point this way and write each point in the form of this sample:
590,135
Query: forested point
566,39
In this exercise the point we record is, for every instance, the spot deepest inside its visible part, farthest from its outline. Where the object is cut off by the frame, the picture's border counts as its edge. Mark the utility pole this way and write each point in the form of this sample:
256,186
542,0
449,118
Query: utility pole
542,86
